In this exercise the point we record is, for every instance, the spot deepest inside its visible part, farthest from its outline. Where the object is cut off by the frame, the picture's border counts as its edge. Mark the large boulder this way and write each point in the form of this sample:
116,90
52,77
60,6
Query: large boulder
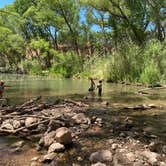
29,121
102,155
56,147
63,136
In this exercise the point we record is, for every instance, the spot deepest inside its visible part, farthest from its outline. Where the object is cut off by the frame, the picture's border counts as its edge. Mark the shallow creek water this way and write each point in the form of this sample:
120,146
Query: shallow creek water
21,88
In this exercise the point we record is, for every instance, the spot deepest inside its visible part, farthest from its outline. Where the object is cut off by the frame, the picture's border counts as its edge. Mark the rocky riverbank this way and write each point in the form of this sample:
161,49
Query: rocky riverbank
69,133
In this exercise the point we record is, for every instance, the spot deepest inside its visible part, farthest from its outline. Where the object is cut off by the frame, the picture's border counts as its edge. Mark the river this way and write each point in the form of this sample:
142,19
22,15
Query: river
22,87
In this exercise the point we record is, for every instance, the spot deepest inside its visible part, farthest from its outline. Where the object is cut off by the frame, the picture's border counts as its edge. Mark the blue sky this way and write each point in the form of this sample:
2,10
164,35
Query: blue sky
5,2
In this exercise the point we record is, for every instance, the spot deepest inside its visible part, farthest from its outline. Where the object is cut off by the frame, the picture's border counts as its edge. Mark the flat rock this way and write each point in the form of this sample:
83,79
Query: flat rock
49,157
138,163
17,144
49,138
7,125
98,164
80,118
151,157
102,155
56,147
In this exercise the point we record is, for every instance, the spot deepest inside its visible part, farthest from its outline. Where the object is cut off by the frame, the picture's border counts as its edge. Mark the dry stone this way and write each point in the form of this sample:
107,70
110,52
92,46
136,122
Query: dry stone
49,138
29,121
56,147
16,124
63,136
103,155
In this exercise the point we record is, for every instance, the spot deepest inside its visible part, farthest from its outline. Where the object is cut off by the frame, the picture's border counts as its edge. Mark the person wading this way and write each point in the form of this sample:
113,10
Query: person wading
99,86
92,85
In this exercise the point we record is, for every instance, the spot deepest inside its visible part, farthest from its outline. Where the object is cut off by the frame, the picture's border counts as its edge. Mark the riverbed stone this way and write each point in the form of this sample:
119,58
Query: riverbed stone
48,157
35,159
49,138
16,124
98,164
162,163
131,156
7,125
3,102
152,157
164,149
114,146
29,121
80,118
17,144
56,147
63,136
138,163
102,155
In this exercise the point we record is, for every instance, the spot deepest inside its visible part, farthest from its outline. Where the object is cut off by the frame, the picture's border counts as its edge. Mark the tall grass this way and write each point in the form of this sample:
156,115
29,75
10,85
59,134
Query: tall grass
131,63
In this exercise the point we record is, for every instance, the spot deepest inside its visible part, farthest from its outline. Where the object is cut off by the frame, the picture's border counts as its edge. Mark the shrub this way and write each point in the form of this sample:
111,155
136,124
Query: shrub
150,75
66,64
31,67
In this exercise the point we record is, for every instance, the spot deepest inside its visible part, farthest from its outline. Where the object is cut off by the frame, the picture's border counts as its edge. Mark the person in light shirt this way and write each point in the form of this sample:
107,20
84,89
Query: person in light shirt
99,86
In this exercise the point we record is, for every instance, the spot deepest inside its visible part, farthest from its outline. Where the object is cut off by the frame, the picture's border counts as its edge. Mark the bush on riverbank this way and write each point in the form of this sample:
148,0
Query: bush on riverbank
62,65
131,63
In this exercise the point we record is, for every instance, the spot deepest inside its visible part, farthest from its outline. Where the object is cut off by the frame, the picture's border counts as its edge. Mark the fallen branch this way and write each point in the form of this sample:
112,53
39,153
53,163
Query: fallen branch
30,102
152,88
24,116
79,104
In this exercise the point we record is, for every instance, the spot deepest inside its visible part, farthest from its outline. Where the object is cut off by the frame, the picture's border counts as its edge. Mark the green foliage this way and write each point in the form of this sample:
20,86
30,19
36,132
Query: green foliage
150,75
31,67
66,65
131,63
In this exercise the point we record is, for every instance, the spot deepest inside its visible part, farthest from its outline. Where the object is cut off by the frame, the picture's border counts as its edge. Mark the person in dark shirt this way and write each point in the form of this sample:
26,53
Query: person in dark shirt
92,85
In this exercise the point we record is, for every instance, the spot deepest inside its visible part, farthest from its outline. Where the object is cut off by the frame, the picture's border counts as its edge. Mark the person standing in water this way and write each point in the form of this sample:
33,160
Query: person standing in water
92,85
99,86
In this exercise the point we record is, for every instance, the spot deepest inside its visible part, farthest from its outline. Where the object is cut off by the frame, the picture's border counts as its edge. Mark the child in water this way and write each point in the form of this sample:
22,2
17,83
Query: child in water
92,85
1,88
99,86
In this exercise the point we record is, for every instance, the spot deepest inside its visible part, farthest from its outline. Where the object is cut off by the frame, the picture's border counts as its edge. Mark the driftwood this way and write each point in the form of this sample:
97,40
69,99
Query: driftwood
79,104
30,102
34,110
142,91
23,116
144,107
